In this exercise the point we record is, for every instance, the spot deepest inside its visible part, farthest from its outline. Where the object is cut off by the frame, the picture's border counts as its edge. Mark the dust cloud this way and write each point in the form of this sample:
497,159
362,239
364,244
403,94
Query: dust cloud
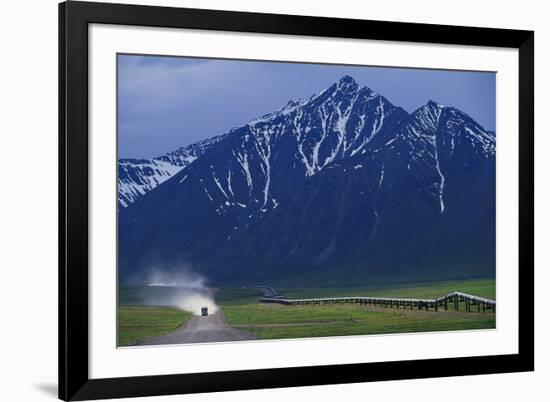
183,289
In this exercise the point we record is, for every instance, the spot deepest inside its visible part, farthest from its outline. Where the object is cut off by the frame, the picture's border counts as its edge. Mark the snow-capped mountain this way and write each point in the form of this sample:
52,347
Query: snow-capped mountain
339,187
136,177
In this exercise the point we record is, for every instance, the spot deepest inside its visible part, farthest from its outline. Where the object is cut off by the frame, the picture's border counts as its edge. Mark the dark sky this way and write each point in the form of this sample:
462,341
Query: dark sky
167,102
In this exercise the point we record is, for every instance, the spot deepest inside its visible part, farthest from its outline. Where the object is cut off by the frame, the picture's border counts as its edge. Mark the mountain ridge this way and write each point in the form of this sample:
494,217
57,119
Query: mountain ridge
308,165
136,177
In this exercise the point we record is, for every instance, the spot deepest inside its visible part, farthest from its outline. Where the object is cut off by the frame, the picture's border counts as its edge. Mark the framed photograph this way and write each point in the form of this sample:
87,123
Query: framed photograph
258,201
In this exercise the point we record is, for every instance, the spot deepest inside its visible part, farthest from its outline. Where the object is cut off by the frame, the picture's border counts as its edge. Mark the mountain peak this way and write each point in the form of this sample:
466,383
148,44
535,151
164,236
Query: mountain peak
427,116
434,105
345,84
431,108
346,79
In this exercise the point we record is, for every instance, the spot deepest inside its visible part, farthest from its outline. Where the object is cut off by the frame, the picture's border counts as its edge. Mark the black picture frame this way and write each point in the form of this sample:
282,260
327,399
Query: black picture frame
74,18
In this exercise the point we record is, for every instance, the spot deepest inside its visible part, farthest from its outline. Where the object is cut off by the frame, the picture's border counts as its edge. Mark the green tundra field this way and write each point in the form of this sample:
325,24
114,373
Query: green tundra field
136,323
242,310
275,321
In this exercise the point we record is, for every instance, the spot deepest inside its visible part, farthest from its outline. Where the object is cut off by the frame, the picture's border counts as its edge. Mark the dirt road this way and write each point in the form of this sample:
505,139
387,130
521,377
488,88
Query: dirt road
212,328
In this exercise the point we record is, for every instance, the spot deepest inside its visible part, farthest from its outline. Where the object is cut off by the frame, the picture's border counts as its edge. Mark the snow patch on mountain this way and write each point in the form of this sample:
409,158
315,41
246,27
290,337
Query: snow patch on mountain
136,177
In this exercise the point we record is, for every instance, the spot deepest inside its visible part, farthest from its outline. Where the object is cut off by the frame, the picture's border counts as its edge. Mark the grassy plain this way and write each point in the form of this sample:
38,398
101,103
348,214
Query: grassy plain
274,321
136,323
138,319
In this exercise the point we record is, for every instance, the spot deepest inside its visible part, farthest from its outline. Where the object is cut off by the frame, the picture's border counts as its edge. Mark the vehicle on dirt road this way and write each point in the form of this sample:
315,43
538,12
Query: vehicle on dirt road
204,311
